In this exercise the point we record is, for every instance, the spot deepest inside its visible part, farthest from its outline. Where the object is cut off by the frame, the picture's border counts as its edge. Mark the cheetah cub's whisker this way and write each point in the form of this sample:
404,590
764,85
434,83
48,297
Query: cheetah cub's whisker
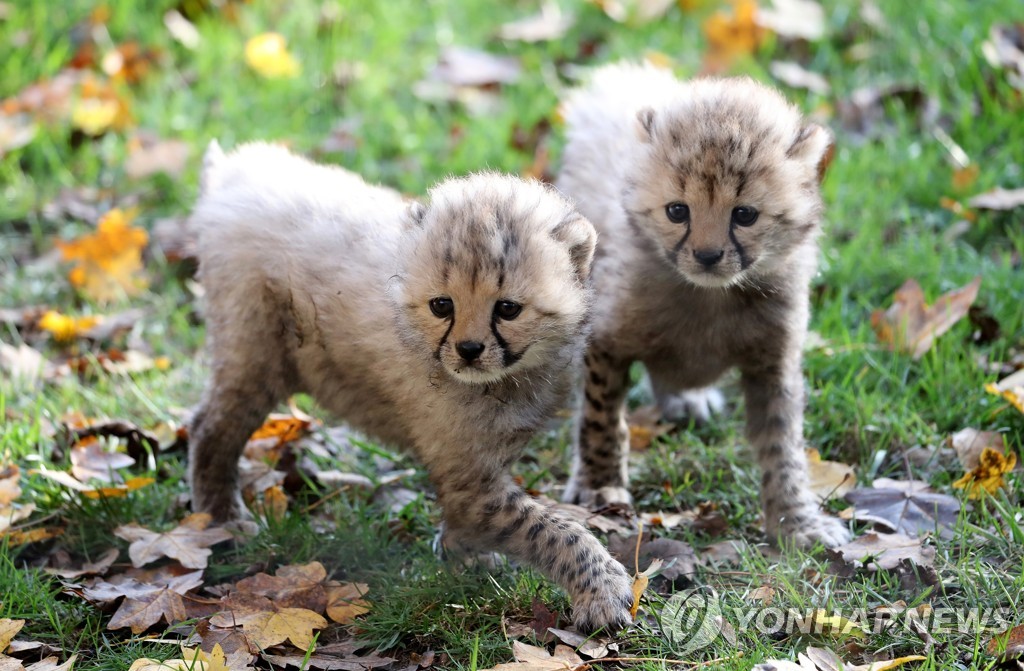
705,195
449,329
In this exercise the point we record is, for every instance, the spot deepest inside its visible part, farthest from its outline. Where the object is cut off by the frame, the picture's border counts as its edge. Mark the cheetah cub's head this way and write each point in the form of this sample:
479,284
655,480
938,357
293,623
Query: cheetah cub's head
495,276
726,180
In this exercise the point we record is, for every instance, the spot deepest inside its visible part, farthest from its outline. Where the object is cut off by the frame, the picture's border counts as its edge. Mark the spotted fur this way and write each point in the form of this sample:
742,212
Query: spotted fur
317,282
696,295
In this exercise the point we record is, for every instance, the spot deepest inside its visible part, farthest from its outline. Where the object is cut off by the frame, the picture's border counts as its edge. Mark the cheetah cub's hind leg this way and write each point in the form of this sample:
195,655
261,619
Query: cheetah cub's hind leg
600,470
682,406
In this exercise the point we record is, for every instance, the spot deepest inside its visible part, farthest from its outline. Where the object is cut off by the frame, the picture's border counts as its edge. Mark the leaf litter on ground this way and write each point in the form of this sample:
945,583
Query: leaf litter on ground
907,507
189,542
910,325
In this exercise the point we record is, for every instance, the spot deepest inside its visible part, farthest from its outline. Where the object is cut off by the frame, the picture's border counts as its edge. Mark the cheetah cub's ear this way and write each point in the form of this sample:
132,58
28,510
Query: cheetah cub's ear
813,146
414,215
645,124
579,236
213,159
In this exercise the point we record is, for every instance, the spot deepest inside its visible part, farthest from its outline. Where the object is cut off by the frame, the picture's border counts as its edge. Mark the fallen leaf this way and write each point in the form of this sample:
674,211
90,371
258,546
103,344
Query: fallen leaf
885,551
128,62
793,19
645,425
267,54
109,492
95,461
274,504
23,364
65,329
98,567
345,601
150,156
181,29
100,107
965,177
149,597
280,429
907,512
462,66
640,582
970,443
1010,388
10,475
188,542
195,659
329,662
866,114
724,552
1005,49
829,479
266,624
1007,645
8,630
549,24
51,664
633,12
108,261
532,658
765,594
732,35
16,131
910,325
998,199
680,561
988,474
594,648
885,665
794,75
295,585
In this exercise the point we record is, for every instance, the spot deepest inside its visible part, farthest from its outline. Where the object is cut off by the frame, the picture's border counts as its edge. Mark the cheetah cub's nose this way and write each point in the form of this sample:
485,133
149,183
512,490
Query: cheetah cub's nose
469,350
708,257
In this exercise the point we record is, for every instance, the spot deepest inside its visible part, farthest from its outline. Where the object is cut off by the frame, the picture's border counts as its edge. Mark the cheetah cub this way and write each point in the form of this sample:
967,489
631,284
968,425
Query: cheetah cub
451,329
705,196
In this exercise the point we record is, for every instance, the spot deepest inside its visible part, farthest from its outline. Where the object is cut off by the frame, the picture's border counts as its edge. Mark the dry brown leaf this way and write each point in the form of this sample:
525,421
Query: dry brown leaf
98,567
998,199
295,585
549,24
196,659
94,461
189,542
907,510
329,662
793,19
8,630
970,443
10,490
532,658
1007,645
51,664
885,551
345,601
148,156
829,479
149,596
266,624
1005,49
910,325
145,610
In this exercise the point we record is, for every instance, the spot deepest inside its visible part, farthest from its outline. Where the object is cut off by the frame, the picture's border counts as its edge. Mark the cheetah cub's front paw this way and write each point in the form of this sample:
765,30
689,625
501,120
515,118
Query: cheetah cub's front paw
805,529
595,497
696,404
607,606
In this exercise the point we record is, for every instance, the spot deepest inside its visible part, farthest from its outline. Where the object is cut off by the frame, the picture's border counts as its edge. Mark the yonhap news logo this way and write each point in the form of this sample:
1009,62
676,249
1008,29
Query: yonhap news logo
694,619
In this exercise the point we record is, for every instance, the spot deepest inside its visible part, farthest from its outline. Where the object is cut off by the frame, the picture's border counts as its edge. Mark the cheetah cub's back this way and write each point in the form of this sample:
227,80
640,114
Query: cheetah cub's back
706,199
450,329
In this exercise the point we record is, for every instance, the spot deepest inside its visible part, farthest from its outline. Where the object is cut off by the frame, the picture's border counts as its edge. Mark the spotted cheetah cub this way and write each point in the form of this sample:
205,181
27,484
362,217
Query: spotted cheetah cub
705,196
451,329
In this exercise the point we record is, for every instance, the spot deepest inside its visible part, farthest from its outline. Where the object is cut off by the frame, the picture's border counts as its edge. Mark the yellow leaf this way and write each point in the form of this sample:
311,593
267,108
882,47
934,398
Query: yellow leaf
63,328
8,630
829,479
99,108
965,177
1011,388
988,475
345,602
268,55
639,585
31,536
107,262
892,663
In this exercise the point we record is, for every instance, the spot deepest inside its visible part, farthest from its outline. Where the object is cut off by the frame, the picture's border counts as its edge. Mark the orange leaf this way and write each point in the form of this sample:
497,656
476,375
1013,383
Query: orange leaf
107,261
988,475
732,35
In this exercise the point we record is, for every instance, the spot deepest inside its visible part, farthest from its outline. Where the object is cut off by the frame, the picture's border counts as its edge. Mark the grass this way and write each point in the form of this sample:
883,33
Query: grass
866,406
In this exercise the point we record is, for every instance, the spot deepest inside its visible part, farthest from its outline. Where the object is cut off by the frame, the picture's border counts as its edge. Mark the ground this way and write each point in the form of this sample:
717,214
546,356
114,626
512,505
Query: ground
946,126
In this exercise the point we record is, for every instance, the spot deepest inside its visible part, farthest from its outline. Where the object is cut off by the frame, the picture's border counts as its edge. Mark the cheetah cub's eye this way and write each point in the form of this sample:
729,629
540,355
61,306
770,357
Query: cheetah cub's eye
744,216
677,212
507,310
442,307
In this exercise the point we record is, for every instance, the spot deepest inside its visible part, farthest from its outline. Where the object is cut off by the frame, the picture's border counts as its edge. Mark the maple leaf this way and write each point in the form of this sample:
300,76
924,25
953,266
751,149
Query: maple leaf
910,325
149,596
49,664
107,261
988,474
909,510
296,585
64,328
732,35
330,662
267,54
97,567
188,542
1010,388
345,601
266,623
196,659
